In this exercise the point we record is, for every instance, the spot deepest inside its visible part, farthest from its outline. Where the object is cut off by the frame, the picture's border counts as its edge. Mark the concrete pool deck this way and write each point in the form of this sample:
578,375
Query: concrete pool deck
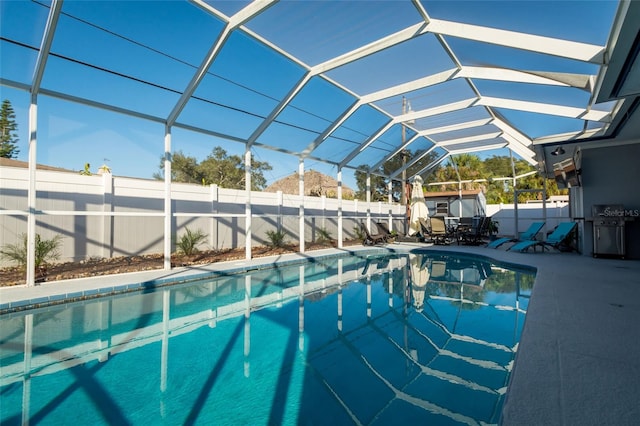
579,357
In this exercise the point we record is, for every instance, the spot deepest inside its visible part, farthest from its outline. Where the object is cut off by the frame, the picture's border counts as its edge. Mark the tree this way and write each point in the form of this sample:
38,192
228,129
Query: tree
8,131
218,168
502,191
469,167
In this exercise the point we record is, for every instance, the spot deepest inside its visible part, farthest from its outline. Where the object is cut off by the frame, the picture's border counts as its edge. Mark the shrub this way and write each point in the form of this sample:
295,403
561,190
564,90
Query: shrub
276,238
189,241
46,250
359,232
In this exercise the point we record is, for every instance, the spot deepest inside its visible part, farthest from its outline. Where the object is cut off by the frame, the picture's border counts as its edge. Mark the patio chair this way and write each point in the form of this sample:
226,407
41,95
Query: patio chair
557,239
371,239
439,233
528,235
475,234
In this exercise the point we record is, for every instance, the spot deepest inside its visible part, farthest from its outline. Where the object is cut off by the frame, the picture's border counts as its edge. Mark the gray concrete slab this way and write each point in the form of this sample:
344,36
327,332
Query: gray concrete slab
578,361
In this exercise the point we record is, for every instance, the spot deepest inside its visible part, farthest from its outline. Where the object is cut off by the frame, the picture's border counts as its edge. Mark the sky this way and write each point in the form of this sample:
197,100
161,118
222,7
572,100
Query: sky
159,49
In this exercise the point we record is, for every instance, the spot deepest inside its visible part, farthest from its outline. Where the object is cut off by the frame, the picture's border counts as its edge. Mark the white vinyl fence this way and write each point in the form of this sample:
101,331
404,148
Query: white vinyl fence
103,216
505,215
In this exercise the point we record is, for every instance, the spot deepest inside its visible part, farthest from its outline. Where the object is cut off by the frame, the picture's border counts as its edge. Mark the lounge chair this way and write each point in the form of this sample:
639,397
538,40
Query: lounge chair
557,239
371,239
384,229
528,235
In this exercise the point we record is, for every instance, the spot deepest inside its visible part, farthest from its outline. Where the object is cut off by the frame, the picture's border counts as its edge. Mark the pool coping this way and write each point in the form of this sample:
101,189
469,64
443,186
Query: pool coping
21,298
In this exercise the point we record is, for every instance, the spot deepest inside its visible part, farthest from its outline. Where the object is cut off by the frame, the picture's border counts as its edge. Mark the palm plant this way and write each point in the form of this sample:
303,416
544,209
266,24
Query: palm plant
190,240
276,238
46,250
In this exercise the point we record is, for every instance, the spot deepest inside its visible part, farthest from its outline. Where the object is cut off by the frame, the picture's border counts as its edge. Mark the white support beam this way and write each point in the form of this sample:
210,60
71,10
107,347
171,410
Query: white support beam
429,112
278,109
525,153
514,136
301,205
396,152
244,15
534,43
31,193
38,72
366,143
421,10
476,138
368,200
459,126
247,204
412,162
479,148
253,9
168,213
542,108
410,86
370,49
518,142
580,81
332,128
571,136
432,164
199,75
45,45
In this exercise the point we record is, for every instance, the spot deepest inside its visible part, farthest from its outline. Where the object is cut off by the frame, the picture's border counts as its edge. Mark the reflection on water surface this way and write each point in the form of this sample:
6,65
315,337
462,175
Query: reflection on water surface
422,338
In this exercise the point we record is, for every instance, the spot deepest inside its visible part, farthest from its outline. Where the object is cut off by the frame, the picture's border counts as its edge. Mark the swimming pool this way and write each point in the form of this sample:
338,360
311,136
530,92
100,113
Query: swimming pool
418,337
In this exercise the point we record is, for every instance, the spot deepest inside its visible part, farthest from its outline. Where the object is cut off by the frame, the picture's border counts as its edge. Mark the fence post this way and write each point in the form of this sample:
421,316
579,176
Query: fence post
323,201
280,207
107,220
248,244
301,205
215,209
369,201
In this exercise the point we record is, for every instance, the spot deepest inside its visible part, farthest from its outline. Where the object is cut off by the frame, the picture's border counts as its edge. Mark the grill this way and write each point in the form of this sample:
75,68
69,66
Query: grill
608,230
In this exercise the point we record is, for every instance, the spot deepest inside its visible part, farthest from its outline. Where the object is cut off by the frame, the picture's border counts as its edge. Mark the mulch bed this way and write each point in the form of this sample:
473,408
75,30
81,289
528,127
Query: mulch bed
118,265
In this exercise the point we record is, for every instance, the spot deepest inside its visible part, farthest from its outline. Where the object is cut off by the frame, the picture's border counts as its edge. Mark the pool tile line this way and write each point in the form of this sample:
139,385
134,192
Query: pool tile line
21,297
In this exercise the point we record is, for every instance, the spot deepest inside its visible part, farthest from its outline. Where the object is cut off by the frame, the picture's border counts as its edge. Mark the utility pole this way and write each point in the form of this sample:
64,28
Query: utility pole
404,154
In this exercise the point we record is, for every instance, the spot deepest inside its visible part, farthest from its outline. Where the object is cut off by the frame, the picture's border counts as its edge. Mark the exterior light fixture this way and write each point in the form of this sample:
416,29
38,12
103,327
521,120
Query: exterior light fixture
558,151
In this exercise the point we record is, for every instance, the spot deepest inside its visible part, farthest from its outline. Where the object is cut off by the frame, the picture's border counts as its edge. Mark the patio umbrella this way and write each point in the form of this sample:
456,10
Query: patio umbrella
419,210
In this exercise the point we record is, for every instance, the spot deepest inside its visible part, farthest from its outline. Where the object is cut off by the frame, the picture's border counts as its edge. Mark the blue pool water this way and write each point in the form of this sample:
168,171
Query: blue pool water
405,339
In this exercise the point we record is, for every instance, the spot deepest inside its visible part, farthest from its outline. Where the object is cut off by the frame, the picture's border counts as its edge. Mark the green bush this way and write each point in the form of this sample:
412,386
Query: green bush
189,241
276,238
46,250
359,232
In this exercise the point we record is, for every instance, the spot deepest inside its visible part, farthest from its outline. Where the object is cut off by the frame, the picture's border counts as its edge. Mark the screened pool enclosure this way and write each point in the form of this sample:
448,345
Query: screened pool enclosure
391,87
